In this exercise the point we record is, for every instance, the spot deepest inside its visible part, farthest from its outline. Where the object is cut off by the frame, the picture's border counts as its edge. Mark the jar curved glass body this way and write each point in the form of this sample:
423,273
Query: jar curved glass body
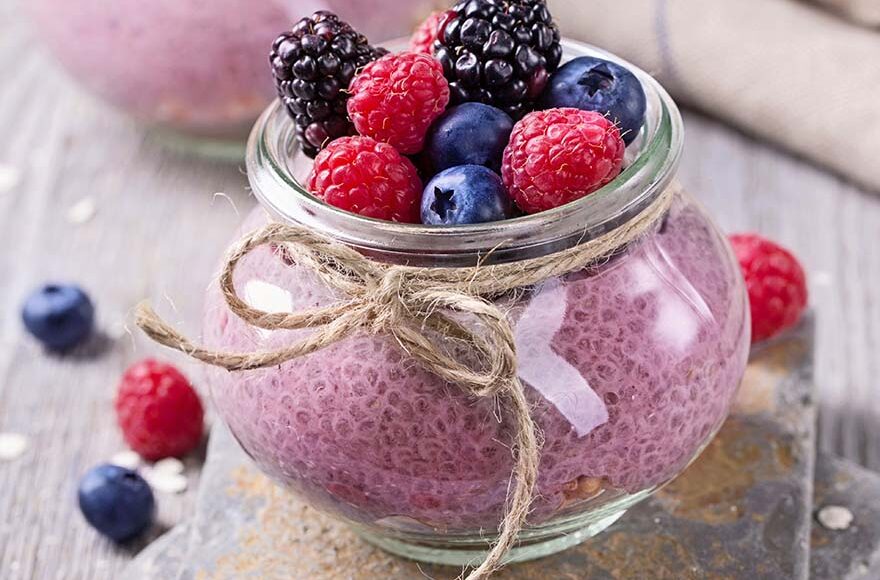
630,365
191,67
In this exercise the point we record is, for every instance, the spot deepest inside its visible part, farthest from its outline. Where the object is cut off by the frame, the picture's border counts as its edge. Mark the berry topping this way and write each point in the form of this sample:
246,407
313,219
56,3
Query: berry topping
396,98
557,156
468,194
776,283
423,38
469,134
313,65
58,315
116,501
499,52
159,412
363,176
593,84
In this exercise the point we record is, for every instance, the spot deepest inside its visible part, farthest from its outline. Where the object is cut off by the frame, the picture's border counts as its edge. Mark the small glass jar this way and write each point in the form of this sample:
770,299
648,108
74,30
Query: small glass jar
195,70
630,365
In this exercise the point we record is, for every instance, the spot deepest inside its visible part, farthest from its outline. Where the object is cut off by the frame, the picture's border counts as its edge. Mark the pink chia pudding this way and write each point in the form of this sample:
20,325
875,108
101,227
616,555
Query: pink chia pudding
196,66
630,366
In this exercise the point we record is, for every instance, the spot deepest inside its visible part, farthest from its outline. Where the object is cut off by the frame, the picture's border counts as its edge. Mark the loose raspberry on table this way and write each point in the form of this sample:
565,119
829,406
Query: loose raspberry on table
396,98
560,155
423,38
775,281
159,412
366,177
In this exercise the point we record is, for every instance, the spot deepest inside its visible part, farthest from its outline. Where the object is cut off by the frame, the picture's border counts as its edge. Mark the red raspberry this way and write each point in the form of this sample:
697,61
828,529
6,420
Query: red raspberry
363,176
423,38
396,98
159,412
560,155
776,283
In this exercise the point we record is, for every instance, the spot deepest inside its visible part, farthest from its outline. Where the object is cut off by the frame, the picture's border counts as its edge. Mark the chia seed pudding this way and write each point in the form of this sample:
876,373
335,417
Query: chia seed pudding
630,367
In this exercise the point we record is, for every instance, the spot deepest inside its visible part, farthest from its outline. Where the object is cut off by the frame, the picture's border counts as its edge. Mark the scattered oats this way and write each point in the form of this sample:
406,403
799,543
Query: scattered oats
170,465
9,178
116,329
82,211
12,446
835,517
165,482
126,459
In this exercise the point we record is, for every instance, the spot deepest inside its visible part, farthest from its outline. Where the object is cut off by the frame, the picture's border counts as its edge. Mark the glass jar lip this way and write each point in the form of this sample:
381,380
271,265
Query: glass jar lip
271,151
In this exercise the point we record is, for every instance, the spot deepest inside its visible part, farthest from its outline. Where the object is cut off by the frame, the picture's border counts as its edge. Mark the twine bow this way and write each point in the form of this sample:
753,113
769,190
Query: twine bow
405,302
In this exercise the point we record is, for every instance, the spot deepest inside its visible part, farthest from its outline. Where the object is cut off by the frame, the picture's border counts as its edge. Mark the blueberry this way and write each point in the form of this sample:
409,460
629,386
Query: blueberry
59,316
467,194
469,134
116,501
594,84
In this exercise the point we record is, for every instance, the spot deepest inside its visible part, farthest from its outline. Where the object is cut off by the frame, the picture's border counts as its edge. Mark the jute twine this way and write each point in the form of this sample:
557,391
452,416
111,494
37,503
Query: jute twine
404,302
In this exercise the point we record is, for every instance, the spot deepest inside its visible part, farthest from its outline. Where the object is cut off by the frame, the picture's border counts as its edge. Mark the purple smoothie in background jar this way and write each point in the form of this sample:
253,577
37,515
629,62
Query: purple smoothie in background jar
630,365
194,66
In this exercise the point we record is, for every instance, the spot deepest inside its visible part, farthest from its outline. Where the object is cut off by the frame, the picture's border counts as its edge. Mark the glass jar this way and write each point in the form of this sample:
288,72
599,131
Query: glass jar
192,68
630,365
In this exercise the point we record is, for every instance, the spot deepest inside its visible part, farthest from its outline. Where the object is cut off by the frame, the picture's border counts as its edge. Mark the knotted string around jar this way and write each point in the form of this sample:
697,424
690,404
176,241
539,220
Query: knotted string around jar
405,301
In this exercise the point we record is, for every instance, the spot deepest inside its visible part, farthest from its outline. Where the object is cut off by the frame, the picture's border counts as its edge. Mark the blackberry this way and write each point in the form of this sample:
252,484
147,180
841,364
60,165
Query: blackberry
313,65
499,52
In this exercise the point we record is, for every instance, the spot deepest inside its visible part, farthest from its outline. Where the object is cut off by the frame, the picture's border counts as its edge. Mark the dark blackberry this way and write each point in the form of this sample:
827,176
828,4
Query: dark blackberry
499,52
313,65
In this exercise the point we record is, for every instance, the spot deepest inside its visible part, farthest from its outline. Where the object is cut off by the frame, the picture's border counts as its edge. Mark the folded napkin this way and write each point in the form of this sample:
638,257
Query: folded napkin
779,69
865,12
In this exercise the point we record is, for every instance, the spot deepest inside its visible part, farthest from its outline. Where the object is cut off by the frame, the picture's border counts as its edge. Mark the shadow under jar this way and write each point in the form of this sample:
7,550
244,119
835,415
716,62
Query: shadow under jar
629,365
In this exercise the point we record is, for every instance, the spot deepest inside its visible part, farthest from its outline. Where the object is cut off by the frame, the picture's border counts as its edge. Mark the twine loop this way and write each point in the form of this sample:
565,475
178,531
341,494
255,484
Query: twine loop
416,306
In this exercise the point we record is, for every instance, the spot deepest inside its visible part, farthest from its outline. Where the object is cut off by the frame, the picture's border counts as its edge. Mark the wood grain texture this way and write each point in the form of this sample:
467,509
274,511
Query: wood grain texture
159,230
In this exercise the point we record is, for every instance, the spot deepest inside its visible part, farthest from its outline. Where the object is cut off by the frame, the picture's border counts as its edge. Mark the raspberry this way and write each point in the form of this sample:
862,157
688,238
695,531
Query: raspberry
776,283
158,410
363,176
423,38
560,155
396,98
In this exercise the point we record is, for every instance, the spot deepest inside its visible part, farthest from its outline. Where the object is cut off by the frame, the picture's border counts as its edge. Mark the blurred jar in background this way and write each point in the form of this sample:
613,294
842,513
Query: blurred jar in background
197,67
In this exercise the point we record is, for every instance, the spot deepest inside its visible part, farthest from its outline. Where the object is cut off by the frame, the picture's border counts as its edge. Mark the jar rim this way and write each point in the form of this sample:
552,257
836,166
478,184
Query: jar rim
276,169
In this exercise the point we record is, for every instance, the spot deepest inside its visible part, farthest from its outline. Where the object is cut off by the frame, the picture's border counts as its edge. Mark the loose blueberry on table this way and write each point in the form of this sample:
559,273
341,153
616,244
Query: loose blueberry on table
481,86
116,501
60,316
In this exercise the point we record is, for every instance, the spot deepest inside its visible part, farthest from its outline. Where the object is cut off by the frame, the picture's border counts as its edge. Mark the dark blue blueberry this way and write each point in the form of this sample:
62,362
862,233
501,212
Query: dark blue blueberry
60,316
594,84
469,134
469,194
116,501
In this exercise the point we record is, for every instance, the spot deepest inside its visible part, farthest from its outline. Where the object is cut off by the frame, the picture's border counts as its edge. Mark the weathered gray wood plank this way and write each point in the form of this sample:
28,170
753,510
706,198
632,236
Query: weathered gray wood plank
158,231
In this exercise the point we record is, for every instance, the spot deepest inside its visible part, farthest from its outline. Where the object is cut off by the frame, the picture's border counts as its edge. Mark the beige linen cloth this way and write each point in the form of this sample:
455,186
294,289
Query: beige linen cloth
783,70
866,12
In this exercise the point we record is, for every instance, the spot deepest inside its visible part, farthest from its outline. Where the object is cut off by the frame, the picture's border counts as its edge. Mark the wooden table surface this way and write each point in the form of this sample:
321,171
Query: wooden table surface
159,229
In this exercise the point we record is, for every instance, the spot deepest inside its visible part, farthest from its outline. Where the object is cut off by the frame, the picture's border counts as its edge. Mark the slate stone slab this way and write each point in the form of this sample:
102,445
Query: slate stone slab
742,510
853,552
